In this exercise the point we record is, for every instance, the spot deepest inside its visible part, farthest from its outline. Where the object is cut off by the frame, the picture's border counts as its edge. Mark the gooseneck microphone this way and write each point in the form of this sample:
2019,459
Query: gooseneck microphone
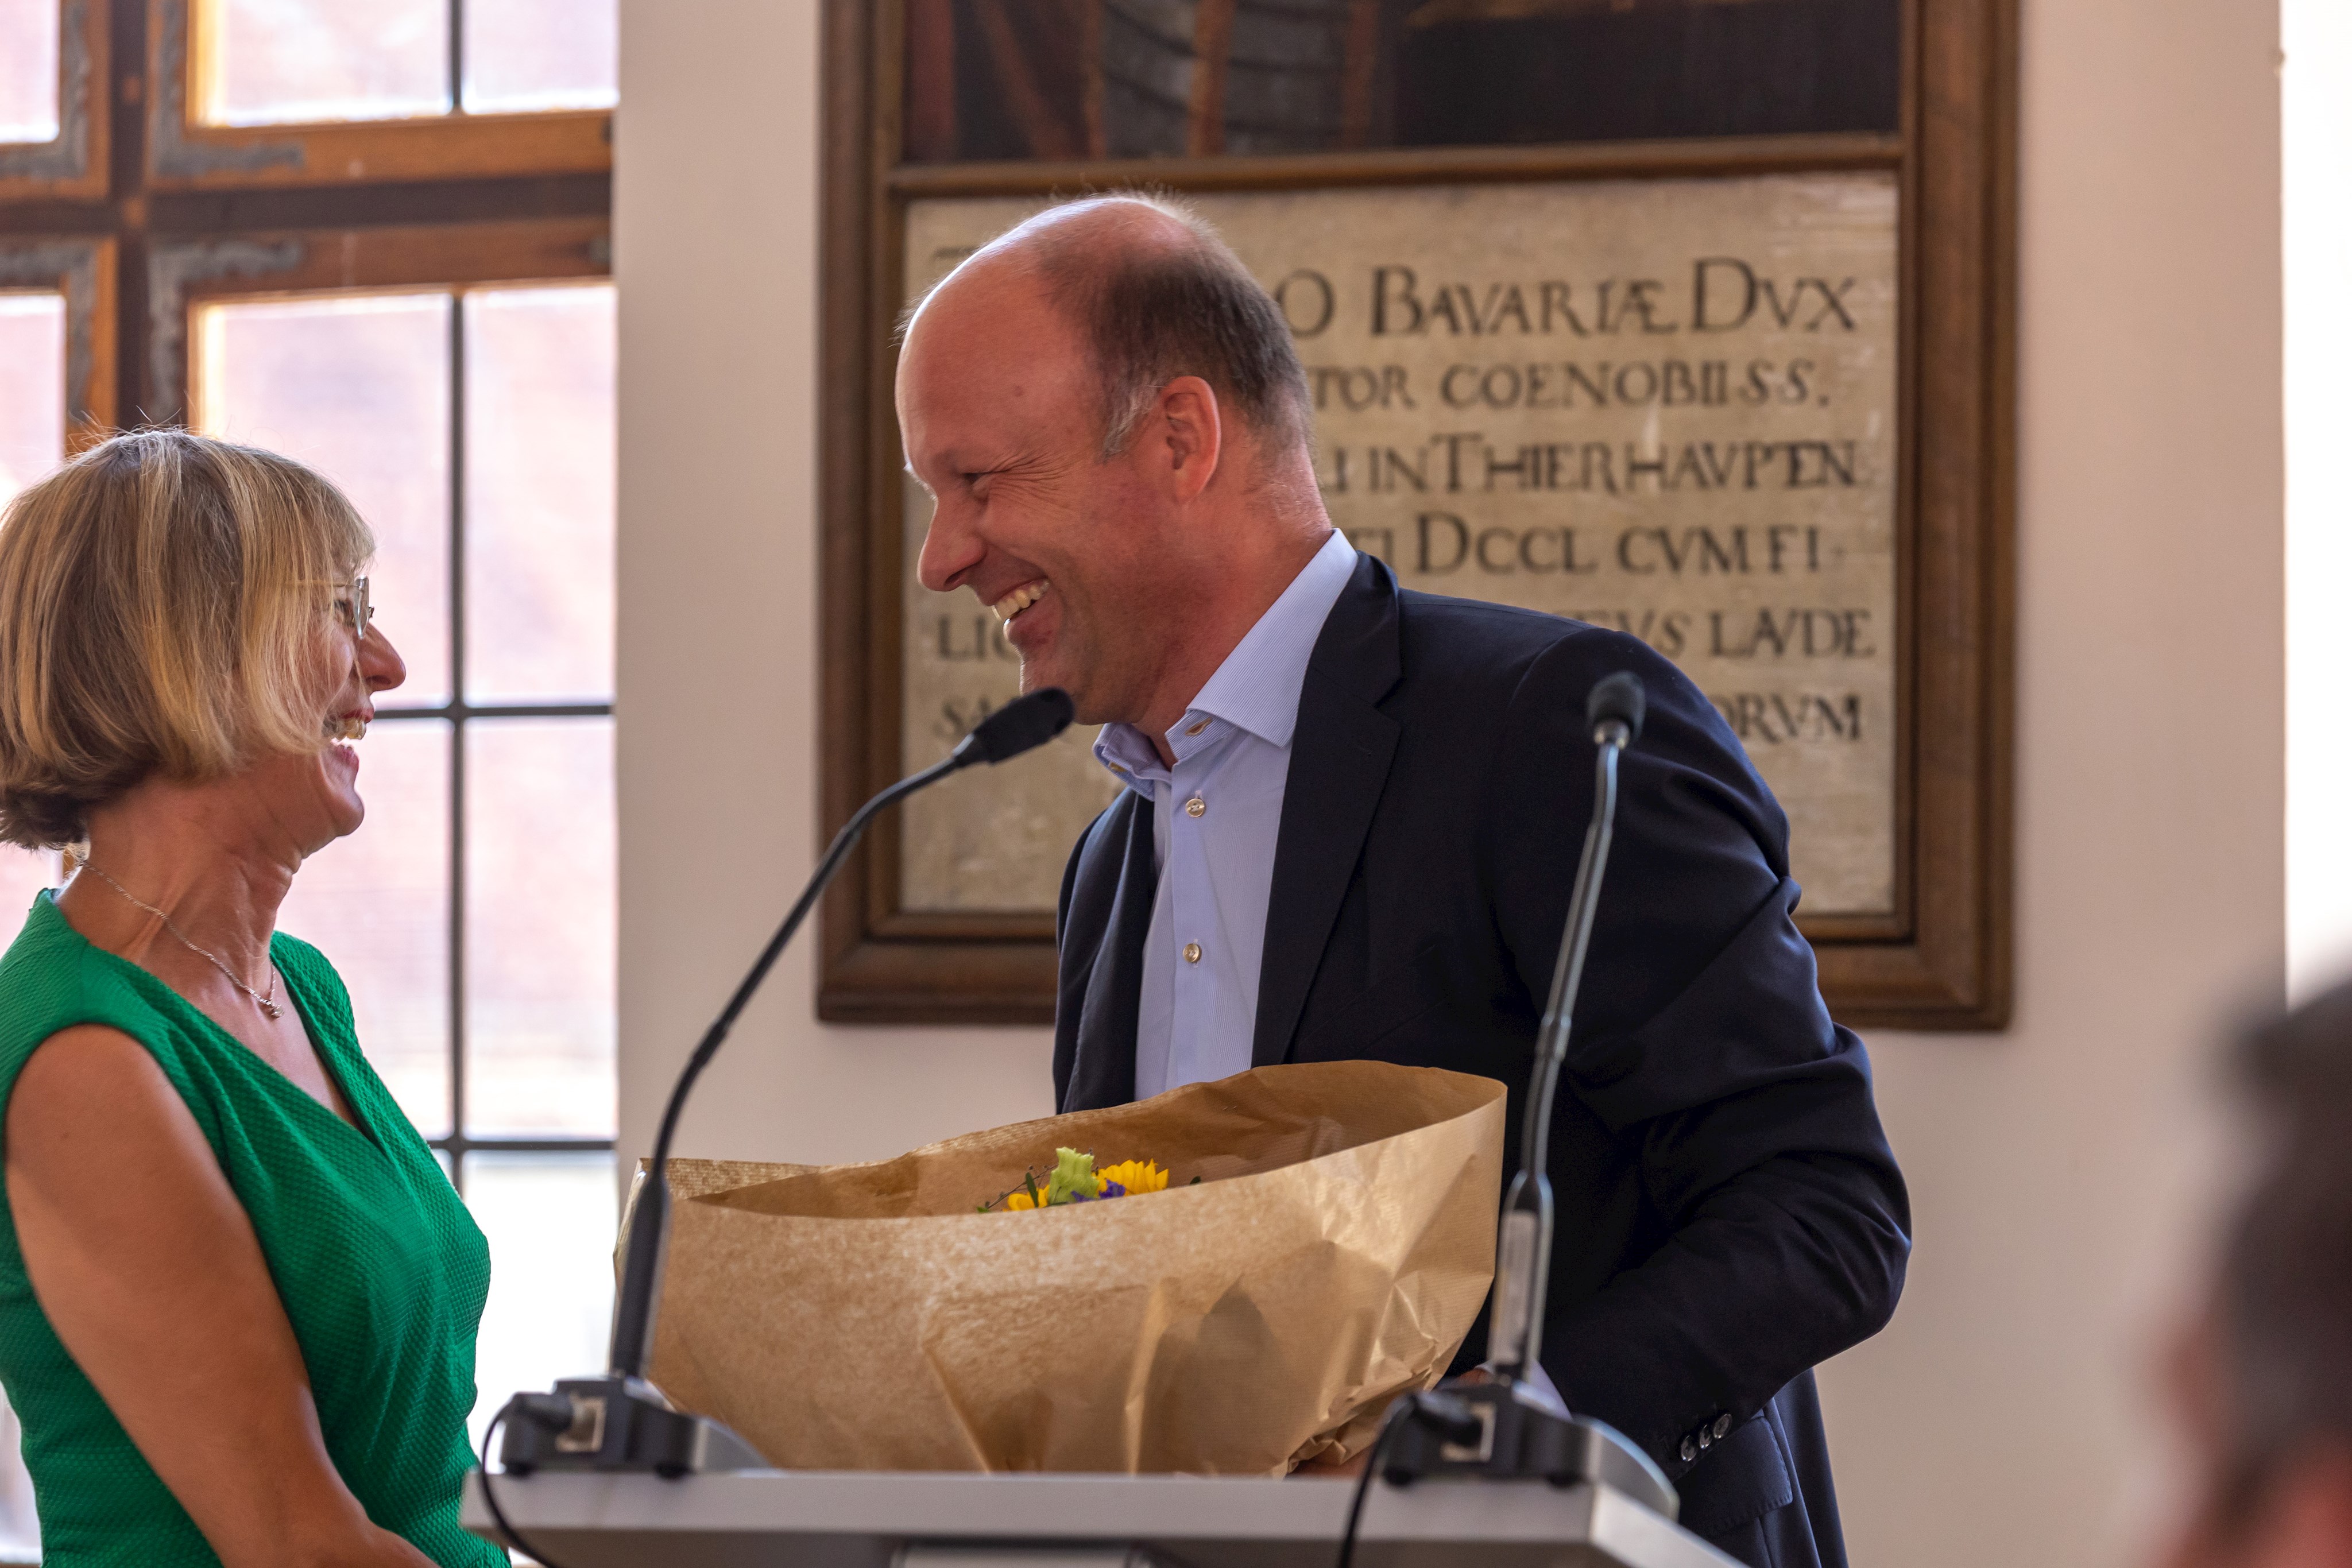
1523,1252
1509,1428
1019,725
620,1421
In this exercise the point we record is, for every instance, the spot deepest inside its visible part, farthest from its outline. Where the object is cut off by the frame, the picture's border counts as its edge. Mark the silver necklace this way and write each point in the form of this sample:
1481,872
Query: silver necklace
266,1004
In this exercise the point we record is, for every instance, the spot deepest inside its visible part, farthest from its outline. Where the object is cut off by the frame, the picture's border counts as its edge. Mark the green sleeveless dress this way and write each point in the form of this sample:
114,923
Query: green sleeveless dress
382,1272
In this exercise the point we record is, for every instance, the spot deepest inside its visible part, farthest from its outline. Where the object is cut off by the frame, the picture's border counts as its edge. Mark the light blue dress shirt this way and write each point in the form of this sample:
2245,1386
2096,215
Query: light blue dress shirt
1215,818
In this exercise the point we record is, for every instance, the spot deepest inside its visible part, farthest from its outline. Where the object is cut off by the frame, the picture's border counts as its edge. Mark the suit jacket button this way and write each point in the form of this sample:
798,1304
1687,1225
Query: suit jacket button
1705,1438
1722,1425
1196,806
1690,1450
1192,952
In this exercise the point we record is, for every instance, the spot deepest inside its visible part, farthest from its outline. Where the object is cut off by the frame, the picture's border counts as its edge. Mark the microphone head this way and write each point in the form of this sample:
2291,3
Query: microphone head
1618,697
1019,725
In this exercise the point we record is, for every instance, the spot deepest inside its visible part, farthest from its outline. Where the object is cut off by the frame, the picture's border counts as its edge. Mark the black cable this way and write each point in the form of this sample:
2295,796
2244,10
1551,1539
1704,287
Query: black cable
489,1498
1390,1424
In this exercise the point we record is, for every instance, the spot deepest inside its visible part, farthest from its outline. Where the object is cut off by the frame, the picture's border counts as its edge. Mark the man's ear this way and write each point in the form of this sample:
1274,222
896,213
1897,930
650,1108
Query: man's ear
1189,434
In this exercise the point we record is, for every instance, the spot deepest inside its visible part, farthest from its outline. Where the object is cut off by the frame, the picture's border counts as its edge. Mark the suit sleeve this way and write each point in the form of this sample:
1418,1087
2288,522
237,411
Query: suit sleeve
1701,1040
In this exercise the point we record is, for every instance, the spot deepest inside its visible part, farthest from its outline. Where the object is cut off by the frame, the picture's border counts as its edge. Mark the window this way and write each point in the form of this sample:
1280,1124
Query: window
474,917
2318,39
262,62
376,237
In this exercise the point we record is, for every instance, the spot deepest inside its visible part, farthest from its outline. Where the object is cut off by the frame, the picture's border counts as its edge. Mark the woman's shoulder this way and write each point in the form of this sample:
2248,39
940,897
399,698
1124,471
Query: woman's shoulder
52,979
307,971
296,956
46,977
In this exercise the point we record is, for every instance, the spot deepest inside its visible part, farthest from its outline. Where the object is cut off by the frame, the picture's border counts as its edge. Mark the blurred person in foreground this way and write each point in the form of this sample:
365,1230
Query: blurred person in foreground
238,1295
2263,1382
1349,823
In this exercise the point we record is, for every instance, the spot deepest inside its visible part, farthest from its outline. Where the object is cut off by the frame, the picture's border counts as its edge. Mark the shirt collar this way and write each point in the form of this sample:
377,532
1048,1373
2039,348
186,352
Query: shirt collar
1257,688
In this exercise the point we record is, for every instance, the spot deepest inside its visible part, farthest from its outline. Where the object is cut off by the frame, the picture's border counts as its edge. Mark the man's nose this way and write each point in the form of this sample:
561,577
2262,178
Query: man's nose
950,550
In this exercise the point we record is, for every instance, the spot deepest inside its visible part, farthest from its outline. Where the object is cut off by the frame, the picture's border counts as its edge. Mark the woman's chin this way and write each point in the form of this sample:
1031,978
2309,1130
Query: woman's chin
346,809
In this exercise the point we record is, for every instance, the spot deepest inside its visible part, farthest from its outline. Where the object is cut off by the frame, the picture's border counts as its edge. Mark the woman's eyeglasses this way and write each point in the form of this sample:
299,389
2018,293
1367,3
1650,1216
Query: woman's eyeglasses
352,606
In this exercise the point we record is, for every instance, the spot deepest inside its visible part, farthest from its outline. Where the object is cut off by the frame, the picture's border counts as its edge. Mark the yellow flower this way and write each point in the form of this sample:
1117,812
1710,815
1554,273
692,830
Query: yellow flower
1018,1200
1137,1176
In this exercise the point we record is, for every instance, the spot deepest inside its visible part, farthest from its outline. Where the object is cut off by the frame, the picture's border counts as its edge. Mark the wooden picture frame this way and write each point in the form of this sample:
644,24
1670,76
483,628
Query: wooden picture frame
1941,960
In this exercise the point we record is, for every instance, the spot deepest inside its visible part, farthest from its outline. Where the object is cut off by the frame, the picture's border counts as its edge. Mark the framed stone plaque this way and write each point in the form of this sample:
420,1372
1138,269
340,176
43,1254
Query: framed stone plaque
1723,365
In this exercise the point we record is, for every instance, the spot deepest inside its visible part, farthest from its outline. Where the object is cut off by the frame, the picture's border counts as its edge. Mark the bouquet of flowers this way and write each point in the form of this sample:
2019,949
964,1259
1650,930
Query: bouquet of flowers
1329,1246
1073,1179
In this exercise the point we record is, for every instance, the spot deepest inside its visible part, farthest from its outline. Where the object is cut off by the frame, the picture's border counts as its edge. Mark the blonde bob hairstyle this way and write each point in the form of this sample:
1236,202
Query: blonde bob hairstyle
164,600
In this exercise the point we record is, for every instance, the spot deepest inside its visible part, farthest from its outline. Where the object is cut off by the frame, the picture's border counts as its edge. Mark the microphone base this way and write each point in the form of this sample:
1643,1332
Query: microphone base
1515,1431
617,1424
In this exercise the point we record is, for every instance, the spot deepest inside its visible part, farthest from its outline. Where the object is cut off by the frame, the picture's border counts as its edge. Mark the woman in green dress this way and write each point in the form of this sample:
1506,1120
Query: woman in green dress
238,1295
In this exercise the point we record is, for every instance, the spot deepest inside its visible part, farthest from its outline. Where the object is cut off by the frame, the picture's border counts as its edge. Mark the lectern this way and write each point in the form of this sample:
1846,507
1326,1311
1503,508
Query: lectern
814,1518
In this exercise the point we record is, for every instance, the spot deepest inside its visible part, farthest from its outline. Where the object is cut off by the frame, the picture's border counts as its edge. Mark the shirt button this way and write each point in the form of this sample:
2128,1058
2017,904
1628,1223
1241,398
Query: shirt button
1192,952
1196,806
1196,729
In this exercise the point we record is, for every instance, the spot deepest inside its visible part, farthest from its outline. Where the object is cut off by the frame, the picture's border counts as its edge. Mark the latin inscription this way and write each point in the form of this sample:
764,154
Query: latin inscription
1664,407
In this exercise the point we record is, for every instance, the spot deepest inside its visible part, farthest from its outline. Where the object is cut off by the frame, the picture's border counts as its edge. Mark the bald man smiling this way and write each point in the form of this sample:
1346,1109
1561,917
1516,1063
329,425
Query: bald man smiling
1350,821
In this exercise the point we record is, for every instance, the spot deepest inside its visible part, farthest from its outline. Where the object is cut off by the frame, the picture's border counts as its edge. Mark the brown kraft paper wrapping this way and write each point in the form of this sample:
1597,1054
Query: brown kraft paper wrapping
1335,1252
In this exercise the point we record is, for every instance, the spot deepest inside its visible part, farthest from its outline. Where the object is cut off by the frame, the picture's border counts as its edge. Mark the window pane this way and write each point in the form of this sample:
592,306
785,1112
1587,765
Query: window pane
540,926
20,1526
29,71
549,1219
541,54
358,387
22,873
33,388
377,905
539,493
270,62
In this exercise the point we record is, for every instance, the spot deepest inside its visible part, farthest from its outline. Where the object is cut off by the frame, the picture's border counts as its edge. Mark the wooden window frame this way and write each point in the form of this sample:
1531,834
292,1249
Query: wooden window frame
114,214
1941,962
73,164
185,274
82,269
185,154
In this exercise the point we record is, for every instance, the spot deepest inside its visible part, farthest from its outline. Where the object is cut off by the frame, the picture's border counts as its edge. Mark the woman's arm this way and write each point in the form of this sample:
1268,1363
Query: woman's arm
150,1271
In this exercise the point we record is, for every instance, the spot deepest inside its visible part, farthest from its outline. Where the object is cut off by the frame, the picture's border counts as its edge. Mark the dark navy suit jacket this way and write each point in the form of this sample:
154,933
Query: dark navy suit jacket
1729,1213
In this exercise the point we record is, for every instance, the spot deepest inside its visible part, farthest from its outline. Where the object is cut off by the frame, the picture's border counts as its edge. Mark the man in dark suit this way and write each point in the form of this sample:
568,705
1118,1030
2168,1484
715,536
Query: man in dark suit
1351,820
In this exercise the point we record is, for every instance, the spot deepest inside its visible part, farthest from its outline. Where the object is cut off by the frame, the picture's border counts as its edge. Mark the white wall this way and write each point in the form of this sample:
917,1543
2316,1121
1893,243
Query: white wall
2054,1168
715,247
